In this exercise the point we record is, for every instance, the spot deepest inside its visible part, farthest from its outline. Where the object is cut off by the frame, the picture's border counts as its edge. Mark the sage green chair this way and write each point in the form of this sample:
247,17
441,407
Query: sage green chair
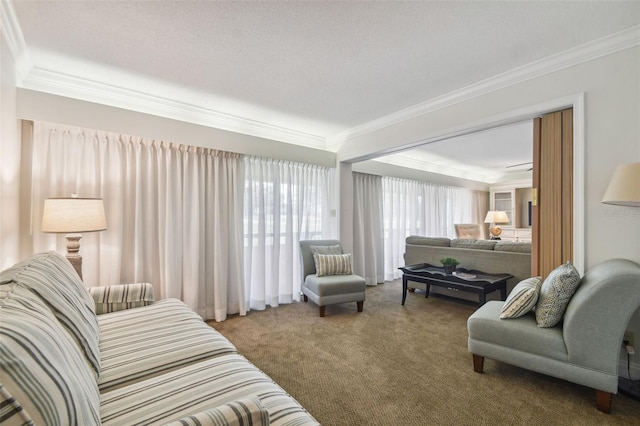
584,348
331,289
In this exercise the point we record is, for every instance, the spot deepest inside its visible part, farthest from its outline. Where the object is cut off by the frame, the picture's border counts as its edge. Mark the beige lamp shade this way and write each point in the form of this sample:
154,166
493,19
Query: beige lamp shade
624,187
496,216
69,215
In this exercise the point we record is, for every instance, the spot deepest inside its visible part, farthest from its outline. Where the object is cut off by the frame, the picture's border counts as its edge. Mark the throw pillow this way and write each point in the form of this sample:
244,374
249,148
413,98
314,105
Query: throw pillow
333,264
522,298
555,294
336,249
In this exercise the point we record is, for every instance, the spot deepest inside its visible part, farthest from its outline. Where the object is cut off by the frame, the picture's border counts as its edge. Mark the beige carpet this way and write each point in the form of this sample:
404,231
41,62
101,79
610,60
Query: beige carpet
404,365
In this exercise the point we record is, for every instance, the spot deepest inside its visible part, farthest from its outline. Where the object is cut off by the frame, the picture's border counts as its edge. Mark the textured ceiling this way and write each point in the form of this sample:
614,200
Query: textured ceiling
319,67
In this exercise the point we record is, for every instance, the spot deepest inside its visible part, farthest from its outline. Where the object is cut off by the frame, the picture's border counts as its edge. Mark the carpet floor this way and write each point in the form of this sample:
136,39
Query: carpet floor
404,365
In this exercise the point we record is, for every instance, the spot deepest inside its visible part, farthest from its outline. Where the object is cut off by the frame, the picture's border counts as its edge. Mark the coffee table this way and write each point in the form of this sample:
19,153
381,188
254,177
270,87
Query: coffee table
472,281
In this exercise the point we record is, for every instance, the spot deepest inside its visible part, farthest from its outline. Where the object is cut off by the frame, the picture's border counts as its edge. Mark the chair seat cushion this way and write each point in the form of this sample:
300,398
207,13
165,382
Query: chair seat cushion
518,334
335,284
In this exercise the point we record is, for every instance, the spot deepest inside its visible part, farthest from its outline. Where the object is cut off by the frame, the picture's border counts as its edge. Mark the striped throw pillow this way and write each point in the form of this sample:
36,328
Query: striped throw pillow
245,411
522,298
333,264
44,377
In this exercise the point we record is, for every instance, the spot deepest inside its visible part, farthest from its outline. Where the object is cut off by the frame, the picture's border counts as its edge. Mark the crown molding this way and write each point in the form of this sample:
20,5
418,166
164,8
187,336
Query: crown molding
61,84
608,45
12,32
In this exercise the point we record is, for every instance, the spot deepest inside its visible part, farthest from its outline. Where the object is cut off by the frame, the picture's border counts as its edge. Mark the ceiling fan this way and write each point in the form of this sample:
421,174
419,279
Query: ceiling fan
520,164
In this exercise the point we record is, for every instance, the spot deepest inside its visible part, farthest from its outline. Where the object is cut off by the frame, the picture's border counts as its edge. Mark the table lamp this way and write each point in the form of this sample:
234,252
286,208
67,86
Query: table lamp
72,216
493,217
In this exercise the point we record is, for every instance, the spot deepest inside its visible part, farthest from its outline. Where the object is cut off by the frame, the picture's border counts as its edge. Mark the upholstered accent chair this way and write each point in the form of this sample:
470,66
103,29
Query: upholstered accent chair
334,282
471,231
583,348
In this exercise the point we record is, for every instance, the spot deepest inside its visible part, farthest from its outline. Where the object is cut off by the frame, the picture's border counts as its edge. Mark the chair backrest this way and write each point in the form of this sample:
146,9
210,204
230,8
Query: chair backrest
599,312
306,255
471,231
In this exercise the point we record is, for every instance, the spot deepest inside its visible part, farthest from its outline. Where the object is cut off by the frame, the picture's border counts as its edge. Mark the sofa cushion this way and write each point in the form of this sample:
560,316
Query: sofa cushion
198,387
55,281
245,411
513,246
473,244
332,264
555,294
522,298
44,376
428,241
144,342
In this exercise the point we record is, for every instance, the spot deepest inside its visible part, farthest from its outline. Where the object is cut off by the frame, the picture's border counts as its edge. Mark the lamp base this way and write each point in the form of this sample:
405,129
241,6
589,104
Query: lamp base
73,252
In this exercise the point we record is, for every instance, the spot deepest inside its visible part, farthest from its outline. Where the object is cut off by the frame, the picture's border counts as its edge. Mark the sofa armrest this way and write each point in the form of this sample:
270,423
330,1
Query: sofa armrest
123,296
245,411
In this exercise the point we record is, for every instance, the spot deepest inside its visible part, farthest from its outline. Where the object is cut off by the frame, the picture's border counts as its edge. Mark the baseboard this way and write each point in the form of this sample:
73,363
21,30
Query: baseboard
633,368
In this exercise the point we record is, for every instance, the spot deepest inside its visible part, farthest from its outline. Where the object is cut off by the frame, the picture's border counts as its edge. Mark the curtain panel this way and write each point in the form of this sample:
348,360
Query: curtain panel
284,202
174,213
421,208
368,233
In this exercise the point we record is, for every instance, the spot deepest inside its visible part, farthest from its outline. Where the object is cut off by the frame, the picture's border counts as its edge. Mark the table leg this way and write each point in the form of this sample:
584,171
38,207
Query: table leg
483,299
426,290
503,292
404,289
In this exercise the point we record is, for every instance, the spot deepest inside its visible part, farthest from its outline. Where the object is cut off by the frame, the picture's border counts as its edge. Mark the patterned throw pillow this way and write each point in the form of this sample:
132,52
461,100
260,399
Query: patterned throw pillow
522,298
336,249
333,264
555,294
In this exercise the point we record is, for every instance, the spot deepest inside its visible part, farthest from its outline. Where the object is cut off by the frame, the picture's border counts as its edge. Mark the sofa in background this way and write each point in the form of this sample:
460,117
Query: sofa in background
150,363
583,348
492,256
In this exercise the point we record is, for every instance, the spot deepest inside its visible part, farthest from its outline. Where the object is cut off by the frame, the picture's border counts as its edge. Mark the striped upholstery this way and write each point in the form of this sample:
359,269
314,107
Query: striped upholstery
123,296
45,379
243,412
198,387
51,276
152,340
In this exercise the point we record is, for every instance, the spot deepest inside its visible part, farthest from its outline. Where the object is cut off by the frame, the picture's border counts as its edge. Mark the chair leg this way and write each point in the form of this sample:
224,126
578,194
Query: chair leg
322,310
360,305
304,296
478,363
603,401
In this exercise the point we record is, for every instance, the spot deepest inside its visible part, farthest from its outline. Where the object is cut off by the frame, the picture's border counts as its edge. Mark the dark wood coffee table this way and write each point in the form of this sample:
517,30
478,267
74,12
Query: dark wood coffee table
472,281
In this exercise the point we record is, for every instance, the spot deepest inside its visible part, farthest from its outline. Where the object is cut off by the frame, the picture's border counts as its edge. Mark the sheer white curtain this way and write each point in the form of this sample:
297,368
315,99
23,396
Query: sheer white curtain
420,208
284,203
174,213
368,246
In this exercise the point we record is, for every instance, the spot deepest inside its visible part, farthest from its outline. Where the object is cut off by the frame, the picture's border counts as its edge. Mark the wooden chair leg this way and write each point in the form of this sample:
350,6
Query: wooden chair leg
360,305
478,363
322,310
603,401
304,296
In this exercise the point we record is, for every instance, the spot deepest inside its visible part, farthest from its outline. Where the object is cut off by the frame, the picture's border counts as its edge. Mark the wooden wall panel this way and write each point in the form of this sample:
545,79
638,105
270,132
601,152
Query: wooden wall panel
553,178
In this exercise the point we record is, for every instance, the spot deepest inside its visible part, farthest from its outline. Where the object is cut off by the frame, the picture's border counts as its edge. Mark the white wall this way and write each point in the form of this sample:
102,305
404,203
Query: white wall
10,155
39,106
611,85
374,167
612,136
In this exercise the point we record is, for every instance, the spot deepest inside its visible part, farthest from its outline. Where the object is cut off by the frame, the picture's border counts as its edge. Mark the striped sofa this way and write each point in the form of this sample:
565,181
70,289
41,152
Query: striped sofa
113,356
